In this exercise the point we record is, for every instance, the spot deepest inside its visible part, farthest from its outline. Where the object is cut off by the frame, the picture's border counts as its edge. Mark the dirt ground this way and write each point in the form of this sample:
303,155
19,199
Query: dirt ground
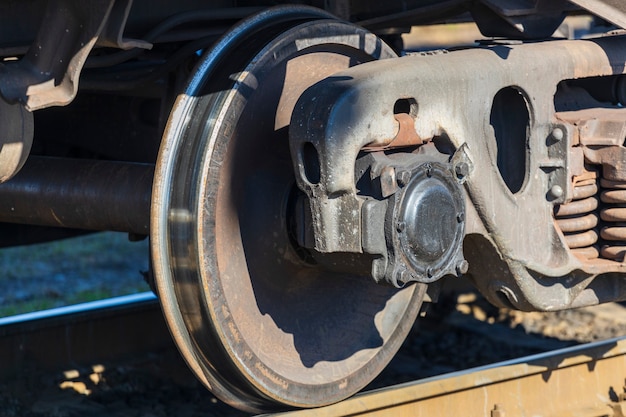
581,325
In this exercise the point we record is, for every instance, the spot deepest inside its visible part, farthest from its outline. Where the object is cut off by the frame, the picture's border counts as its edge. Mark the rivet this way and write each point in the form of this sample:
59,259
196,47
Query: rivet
460,217
400,227
556,191
557,134
430,272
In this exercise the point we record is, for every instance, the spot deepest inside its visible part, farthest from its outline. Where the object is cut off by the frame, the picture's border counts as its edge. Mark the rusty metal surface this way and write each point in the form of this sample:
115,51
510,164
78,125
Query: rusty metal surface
528,254
405,136
79,194
586,380
598,192
577,218
597,126
259,325
614,215
223,247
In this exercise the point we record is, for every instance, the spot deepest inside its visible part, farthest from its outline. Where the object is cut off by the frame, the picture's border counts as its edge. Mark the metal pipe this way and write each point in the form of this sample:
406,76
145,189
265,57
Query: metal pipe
80,194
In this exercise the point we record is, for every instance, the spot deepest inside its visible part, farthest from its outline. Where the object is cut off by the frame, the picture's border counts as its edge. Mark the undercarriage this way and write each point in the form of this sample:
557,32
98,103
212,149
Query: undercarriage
305,182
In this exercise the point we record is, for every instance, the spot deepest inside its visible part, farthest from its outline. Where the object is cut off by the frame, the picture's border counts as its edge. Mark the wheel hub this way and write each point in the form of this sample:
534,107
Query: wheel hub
427,219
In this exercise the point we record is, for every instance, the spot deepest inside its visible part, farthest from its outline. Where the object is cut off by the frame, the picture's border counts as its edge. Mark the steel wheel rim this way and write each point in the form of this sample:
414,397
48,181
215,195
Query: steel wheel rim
192,241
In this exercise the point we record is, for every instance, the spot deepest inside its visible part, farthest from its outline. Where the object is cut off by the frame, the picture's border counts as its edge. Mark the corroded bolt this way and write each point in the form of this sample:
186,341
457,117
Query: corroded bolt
401,277
403,178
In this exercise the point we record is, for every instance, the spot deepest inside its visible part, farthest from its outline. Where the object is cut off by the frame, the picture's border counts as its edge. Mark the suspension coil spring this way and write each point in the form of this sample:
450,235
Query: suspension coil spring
578,219
614,213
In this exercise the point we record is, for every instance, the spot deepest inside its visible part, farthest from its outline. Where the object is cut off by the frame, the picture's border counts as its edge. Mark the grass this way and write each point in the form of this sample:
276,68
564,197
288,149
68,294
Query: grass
70,271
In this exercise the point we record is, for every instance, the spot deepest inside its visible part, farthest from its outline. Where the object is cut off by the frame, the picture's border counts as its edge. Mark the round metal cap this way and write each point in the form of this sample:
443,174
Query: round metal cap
430,220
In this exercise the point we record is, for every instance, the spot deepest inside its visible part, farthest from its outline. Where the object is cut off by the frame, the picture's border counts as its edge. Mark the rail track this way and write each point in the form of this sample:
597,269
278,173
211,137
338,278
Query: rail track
107,329
77,344
584,380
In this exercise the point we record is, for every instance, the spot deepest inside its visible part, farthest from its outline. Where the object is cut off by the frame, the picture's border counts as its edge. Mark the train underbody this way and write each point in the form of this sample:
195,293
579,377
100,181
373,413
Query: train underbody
304,188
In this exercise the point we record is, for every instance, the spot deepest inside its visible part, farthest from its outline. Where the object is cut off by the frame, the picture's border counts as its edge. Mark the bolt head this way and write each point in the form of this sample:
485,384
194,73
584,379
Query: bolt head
401,276
556,191
557,134
461,170
403,178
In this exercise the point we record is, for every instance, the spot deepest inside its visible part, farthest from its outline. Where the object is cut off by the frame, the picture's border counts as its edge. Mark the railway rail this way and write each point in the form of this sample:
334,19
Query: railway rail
107,329
582,380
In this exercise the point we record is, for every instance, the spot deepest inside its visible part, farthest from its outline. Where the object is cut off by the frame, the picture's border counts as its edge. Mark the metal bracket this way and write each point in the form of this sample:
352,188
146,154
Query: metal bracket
48,74
337,117
16,138
519,19
558,142
113,33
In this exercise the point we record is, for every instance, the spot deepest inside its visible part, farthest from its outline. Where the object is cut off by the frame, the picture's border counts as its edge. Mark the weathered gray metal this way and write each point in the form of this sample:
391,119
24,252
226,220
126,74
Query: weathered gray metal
517,255
48,74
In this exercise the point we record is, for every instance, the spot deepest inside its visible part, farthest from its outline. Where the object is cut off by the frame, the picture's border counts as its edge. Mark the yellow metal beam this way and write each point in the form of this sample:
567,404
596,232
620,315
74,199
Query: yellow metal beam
585,381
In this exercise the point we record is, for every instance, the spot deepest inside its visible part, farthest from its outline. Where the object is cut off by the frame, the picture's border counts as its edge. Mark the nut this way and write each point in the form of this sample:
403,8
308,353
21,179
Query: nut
403,178
461,170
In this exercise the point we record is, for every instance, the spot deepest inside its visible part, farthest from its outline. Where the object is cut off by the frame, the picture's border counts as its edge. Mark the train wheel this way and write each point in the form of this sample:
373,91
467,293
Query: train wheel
258,324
